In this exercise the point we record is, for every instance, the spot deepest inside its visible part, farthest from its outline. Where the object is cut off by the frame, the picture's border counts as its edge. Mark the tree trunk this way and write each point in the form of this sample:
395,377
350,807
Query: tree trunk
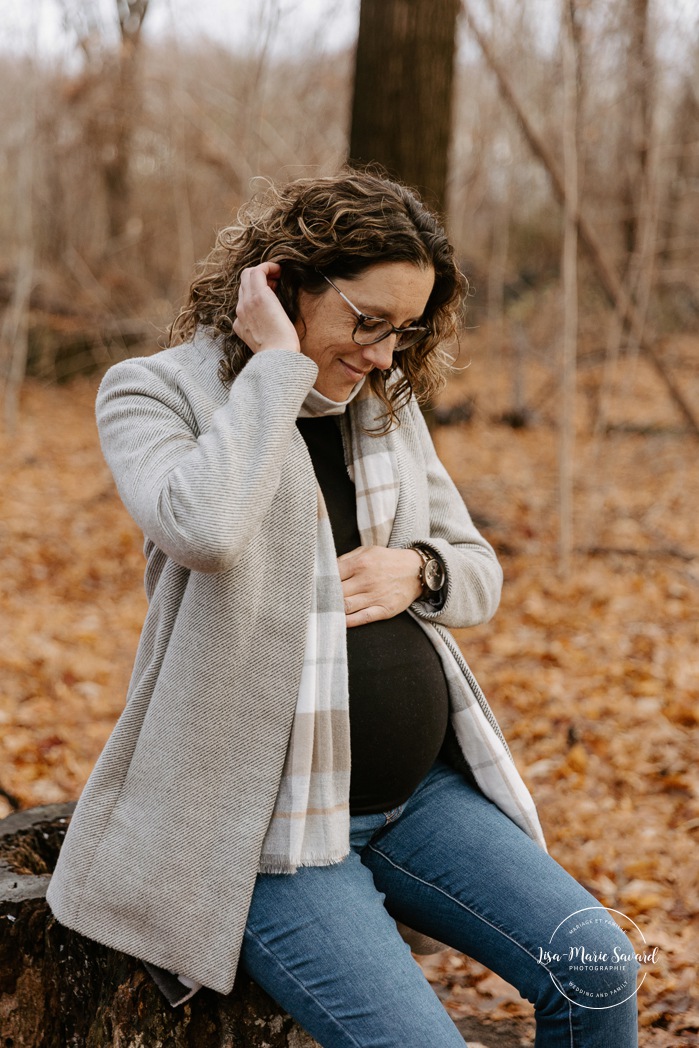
119,121
401,113
14,327
638,106
58,988
569,267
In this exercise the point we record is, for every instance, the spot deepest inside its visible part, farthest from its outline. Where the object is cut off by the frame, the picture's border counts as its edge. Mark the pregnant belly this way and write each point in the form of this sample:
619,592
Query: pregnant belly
399,709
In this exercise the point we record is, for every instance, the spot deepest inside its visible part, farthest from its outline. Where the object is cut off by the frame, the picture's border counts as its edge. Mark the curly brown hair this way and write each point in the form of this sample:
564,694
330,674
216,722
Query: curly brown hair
338,226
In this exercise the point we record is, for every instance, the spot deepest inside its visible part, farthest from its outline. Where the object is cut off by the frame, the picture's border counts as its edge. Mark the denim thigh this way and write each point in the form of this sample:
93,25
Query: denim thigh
322,944
451,865
454,867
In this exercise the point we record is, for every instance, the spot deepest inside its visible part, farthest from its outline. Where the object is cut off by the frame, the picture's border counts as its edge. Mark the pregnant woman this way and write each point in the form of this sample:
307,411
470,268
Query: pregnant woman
305,768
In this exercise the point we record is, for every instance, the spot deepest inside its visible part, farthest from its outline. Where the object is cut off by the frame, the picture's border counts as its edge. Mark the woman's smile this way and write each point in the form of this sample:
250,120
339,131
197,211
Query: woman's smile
358,372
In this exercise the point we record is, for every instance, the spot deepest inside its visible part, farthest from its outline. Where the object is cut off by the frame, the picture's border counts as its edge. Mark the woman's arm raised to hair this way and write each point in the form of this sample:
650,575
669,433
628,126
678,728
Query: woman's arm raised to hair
200,497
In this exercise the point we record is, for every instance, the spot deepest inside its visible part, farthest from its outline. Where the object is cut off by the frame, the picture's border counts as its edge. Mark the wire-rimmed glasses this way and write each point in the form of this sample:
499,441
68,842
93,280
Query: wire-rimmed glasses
369,330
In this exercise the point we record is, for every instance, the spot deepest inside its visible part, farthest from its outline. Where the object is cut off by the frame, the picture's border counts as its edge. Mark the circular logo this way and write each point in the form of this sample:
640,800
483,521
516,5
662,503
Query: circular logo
596,961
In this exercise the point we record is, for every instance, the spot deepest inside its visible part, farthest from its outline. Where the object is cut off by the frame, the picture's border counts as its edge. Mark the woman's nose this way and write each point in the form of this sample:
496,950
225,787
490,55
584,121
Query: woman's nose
380,354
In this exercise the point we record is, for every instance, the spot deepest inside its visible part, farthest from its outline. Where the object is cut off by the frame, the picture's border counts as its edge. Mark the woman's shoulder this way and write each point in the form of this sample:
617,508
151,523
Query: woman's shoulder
194,362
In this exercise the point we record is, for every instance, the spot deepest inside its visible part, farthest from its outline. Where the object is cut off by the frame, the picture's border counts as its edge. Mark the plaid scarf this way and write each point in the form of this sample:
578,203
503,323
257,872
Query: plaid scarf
310,821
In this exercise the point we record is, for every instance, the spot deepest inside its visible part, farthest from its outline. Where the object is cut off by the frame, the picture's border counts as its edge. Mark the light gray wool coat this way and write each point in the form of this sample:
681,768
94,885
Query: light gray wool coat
162,852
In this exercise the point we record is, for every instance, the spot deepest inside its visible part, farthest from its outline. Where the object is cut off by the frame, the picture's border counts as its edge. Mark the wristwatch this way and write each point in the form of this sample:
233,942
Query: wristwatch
431,575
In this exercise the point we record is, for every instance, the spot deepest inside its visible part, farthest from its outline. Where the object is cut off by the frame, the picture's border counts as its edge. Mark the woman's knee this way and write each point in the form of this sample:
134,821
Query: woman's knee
592,964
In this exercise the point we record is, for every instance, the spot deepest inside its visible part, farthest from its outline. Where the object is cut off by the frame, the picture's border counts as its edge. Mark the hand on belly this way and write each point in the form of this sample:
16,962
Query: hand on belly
378,583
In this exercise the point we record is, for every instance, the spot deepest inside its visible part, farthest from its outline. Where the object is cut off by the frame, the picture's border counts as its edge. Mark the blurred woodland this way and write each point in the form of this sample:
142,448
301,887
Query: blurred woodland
570,423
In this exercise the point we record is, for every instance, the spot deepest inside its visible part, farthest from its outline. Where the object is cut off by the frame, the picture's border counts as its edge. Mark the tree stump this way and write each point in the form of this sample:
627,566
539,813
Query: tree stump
58,988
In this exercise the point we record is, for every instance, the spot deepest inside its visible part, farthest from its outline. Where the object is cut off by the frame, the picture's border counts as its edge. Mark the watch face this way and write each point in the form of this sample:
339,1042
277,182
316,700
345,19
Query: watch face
434,575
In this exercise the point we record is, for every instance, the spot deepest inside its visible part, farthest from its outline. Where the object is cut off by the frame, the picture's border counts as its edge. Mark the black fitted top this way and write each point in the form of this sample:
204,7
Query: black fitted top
397,691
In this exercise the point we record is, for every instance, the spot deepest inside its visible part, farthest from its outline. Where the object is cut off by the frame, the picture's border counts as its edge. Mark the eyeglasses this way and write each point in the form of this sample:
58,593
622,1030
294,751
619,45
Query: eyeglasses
369,330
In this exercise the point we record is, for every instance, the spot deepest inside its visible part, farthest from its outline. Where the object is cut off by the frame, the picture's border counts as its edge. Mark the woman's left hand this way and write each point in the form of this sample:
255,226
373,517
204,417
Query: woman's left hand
378,582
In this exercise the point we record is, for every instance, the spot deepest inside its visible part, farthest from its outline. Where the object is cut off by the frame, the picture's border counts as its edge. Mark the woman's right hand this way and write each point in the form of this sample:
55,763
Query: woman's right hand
260,319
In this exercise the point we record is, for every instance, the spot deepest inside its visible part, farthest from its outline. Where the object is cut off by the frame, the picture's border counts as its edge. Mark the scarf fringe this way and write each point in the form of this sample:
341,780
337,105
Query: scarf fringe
280,864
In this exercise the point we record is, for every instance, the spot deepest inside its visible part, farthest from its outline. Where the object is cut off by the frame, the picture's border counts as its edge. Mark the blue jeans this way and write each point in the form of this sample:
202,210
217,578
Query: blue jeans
449,864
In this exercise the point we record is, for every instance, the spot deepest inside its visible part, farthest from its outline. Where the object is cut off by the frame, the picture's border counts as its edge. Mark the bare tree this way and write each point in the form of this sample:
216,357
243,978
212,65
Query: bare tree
119,119
401,113
612,284
634,145
130,179
111,82
14,330
569,267
683,176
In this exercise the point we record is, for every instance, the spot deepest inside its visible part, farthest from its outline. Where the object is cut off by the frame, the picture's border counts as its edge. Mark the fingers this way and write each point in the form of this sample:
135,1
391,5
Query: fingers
348,565
361,561
355,602
267,274
366,615
363,604
260,319
271,268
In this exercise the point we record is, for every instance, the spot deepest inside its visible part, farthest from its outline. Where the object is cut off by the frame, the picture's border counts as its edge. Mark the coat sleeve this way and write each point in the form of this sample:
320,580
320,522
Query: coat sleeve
473,574
200,496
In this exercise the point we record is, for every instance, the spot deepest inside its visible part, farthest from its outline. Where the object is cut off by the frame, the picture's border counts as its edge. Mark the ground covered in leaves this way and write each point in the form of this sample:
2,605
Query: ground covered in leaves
593,672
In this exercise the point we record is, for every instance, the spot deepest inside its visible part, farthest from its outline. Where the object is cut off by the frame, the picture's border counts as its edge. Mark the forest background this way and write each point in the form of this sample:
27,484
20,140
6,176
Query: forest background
569,424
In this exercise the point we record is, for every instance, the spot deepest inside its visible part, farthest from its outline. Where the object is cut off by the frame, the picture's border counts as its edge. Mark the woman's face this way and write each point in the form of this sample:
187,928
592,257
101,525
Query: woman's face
396,291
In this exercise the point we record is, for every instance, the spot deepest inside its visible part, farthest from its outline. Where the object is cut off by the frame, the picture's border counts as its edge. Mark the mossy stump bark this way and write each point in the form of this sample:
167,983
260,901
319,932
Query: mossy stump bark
60,989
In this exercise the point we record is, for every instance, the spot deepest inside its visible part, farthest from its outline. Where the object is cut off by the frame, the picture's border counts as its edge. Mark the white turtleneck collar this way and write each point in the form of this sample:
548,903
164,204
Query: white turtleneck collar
316,404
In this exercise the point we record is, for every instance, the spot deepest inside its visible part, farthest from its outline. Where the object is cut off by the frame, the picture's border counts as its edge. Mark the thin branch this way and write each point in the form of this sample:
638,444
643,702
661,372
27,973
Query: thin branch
611,283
